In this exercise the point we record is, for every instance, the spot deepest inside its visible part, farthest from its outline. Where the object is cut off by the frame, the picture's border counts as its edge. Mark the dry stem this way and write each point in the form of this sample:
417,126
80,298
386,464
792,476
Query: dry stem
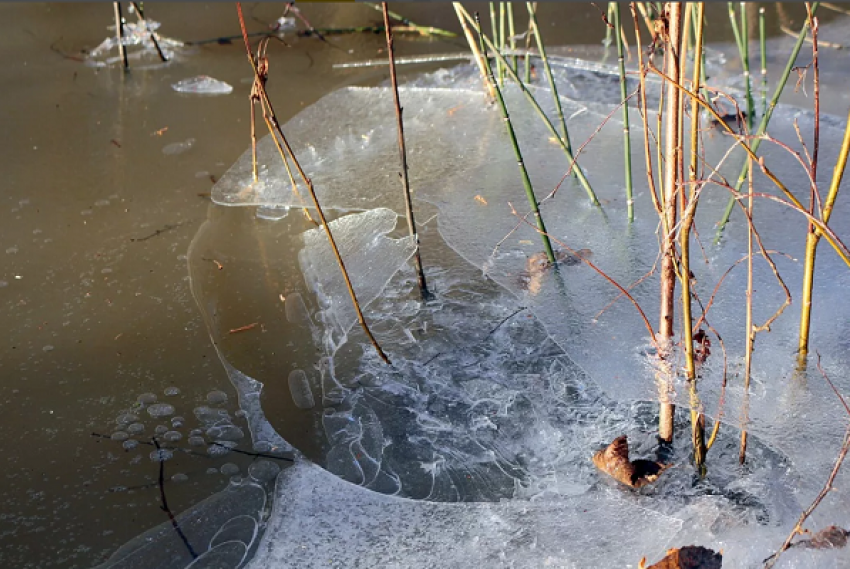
402,153
272,117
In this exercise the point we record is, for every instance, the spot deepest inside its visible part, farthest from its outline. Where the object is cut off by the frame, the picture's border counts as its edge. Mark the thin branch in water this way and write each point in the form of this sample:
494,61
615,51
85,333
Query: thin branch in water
164,503
422,30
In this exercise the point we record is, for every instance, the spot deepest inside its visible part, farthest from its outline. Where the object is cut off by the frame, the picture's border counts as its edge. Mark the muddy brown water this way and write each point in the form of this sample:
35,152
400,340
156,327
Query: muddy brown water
95,222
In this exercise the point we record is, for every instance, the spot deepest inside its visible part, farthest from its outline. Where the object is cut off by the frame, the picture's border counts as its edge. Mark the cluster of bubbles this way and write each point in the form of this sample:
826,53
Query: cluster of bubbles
215,434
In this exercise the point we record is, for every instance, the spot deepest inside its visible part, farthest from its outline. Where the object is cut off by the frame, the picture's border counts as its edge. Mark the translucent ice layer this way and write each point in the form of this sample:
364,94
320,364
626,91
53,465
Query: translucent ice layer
504,384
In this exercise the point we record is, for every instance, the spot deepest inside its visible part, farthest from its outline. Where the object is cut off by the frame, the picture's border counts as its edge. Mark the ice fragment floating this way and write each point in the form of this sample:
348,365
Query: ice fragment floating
202,85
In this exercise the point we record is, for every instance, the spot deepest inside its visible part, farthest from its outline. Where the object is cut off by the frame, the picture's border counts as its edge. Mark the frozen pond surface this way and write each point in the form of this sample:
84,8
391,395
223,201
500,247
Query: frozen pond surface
486,404
475,447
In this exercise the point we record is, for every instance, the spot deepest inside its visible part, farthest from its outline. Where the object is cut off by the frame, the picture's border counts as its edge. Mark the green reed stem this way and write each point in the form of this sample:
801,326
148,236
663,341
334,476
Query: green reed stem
560,111
528,35
627,143
733,19
531,99
512,36
526,181
765,119
494,29
745,61
762,41
763,53
501,42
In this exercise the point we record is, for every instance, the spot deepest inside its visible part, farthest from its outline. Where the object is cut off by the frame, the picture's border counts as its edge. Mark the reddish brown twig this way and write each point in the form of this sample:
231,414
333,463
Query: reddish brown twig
271,121
245,328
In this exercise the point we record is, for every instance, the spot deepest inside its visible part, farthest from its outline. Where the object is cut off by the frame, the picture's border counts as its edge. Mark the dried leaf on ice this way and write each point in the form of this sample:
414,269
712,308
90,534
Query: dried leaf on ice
687,557
831,537
614,461
531,278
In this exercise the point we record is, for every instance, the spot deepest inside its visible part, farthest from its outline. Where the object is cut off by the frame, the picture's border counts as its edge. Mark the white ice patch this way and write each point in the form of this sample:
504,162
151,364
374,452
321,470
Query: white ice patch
352,527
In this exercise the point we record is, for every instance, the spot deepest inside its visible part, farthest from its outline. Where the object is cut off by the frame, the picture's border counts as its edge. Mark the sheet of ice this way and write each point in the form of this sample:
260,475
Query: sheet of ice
203,85
460,152
490,402
371,259
263,436
352,527
368,132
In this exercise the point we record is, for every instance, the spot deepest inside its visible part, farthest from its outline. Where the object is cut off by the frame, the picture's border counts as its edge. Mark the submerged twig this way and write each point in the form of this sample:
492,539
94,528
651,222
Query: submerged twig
164,504
422,30
602,273
402,152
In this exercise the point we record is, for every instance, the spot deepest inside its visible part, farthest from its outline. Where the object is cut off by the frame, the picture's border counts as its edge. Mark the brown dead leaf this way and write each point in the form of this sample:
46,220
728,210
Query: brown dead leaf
480,199
614,461
531,278
688,557
831,537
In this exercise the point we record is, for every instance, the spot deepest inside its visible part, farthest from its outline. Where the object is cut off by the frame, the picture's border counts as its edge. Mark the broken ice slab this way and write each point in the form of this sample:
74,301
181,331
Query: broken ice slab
202,85
138,44
356,127
370,257
317,512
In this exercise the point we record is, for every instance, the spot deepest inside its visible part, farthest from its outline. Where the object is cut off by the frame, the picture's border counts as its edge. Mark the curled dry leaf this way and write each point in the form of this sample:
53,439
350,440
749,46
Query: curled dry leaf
614,461
687,557
532,277
831,537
